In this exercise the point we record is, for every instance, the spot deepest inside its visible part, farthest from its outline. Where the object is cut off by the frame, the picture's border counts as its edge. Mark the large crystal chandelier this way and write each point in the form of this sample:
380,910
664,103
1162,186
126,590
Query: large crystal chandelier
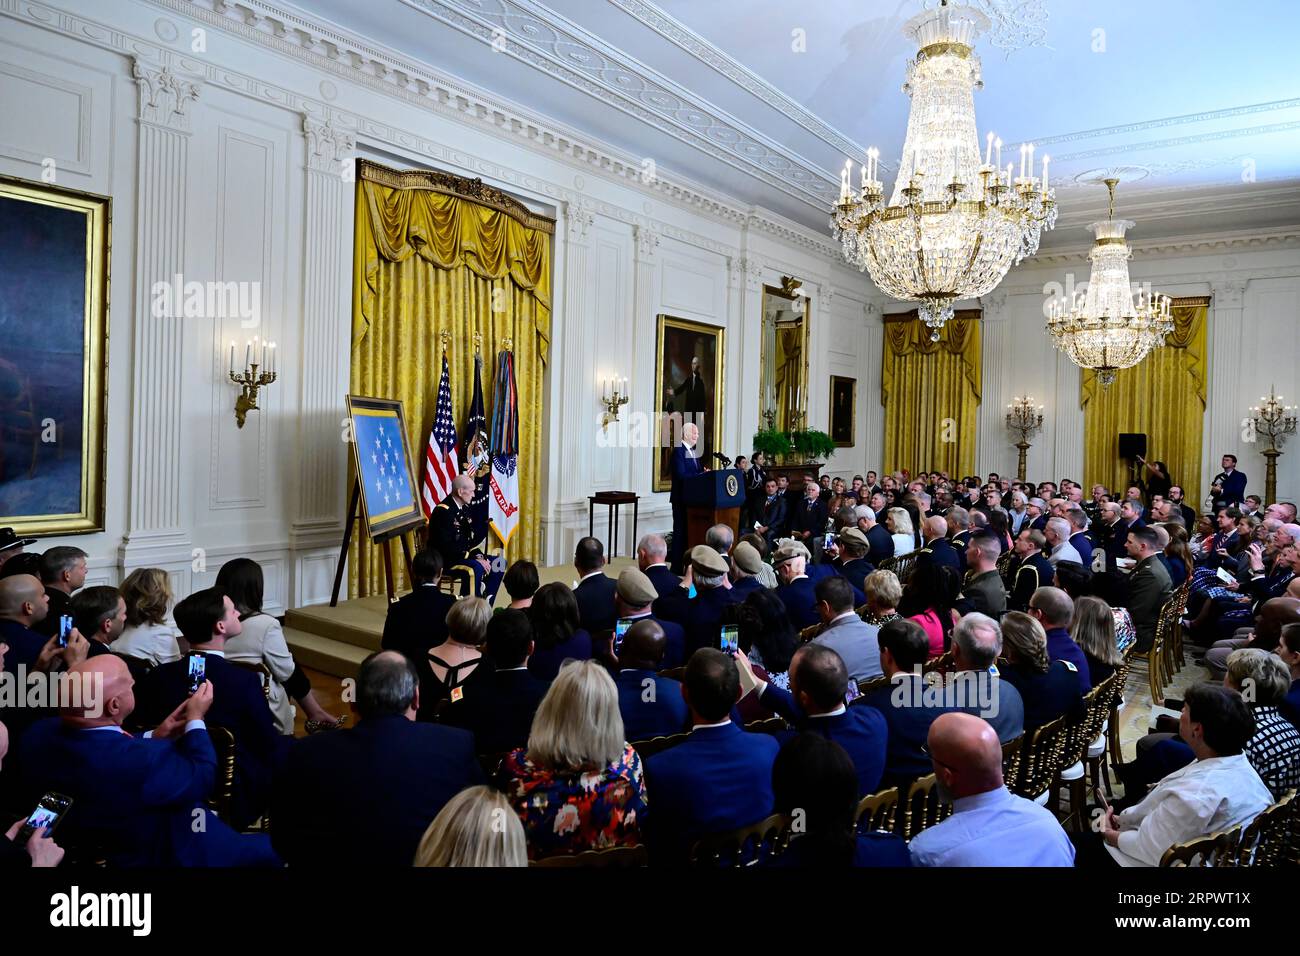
1106,327
953,226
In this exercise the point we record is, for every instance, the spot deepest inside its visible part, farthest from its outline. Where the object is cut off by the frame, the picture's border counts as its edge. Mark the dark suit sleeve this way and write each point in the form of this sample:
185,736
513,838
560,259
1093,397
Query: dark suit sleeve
182,772
1234,489
782,702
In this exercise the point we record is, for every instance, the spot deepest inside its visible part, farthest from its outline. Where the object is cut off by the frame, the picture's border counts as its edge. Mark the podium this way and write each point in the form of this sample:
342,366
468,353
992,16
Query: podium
714,497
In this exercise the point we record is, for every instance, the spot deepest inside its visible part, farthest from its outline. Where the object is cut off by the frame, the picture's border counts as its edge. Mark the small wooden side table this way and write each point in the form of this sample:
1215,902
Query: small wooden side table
612,500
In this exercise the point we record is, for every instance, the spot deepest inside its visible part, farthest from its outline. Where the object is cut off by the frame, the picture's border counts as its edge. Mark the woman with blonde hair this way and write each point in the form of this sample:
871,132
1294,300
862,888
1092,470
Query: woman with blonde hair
1093,629
883,592
578,785
899,524
477,827
454,664
147,594
1048,688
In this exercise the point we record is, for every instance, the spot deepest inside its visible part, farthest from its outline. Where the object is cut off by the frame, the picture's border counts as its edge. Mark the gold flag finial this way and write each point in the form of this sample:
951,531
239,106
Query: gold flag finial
445,335
478,342
507,344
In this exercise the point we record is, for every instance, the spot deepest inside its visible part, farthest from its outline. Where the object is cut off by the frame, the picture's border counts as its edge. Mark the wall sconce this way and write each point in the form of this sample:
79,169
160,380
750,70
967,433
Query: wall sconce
257,355
613,395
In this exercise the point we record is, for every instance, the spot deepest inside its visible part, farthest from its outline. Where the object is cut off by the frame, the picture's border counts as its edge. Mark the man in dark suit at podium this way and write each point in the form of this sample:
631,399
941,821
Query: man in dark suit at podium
685,464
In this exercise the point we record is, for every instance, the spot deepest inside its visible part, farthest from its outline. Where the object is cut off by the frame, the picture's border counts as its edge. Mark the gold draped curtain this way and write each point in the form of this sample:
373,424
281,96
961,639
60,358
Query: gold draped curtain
1162,396
931,393
436,252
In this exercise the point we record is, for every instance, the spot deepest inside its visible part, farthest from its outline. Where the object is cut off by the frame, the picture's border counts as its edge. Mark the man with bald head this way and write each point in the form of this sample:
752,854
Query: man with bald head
652,706
989,826
138,800
23,605
938,549
452,534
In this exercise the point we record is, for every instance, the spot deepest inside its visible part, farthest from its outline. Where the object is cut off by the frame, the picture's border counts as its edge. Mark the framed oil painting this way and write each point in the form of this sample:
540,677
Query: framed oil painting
688,388
844,404
54,257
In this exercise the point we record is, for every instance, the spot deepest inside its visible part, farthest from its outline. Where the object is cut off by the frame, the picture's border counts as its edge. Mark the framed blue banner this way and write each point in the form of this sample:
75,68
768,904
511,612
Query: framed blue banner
381,459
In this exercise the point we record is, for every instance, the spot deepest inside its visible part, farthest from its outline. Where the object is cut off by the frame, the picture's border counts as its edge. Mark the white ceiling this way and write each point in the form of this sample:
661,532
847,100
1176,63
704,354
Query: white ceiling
1195,104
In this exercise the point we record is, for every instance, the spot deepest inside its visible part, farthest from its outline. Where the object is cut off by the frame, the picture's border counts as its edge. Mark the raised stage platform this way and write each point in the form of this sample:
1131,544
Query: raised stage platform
335,640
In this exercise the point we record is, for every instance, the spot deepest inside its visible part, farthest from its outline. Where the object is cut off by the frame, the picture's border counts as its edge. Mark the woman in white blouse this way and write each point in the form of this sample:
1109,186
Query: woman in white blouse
147,635
262,640
899,523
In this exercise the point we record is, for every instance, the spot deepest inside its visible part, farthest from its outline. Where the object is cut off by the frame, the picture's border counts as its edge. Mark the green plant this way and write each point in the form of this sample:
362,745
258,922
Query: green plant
772,442
812,443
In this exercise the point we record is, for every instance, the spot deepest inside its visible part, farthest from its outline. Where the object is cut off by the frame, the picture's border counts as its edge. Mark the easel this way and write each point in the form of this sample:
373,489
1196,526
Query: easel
381,540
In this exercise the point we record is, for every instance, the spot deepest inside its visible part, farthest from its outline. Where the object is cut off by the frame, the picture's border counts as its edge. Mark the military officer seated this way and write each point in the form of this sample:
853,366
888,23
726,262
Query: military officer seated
451,534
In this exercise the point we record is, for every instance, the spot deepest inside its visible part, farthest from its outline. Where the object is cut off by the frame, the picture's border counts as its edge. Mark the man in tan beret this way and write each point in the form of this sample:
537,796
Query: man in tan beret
634,595
706,573
796,589
746,565
852,562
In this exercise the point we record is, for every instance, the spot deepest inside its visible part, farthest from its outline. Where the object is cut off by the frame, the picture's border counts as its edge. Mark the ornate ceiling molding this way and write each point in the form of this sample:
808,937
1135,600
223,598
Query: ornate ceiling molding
1188,245
566,52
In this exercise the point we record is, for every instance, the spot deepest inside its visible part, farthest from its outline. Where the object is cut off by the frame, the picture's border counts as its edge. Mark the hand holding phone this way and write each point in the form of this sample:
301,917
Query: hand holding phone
65,629
620,631
198,669
49,811
729,640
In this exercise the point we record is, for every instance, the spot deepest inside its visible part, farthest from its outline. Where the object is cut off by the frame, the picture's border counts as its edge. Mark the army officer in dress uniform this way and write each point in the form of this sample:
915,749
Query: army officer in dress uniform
451,534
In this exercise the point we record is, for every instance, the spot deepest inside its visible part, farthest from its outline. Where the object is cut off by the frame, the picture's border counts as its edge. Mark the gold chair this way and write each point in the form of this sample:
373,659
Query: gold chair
1005,567
941,664
768,725
809,632
261,670
877,811
223,742
872,683
1113,745
1273,837
657,745
614,858
923,807
1083,734
744,847
1042,758
902,565
1011,762
1217,850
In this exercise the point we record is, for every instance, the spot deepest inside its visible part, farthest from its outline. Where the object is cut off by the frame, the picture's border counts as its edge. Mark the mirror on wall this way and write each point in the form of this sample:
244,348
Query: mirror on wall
783,395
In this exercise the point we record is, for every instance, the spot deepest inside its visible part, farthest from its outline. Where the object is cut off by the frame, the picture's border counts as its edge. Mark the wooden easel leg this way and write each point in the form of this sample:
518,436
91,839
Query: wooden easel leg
388,570
406,554
347,539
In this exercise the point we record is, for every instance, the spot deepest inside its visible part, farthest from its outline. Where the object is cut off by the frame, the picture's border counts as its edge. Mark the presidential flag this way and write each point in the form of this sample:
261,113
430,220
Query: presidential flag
441,457
503,502
477,462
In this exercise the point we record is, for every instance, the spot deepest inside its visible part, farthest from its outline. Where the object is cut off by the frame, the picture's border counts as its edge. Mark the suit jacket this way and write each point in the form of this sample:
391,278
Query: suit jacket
1030,574
239,705
662,577
595,596
746,586
881,543
859,730
1047,696
1118,537
683,466
498,712
704,618
1081,544
417,622
1233,489
800,602
718,779
940,551
1062,647
773,516
1148,589
857,643
135,798
1210,556
24,645
363,797
901,702
856,571
648,713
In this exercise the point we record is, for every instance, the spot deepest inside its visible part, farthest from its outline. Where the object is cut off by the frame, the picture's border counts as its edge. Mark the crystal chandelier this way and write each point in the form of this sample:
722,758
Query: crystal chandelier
953,226
1106,328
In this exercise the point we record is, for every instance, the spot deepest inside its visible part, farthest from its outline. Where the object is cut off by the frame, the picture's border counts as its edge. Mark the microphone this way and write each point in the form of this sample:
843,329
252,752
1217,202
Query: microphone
719,456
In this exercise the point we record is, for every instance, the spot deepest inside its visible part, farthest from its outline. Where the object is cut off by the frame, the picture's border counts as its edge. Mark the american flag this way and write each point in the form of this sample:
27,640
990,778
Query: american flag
440,457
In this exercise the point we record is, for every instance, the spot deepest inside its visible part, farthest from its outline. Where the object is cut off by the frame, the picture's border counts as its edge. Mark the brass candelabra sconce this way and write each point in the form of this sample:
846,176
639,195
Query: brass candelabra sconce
1024,418
1275,422
259,371
613,395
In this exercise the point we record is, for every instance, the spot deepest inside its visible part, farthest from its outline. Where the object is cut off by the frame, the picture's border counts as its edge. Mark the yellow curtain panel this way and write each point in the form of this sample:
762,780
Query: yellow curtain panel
432,252
1162,396
931,393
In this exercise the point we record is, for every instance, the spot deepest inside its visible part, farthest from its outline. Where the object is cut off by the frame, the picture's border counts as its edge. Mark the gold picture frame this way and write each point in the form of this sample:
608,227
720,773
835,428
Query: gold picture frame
678,343
844,411
378,427
55,247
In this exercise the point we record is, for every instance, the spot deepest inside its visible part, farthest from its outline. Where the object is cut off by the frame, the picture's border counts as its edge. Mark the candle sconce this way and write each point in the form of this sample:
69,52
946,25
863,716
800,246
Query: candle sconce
613,395
256,375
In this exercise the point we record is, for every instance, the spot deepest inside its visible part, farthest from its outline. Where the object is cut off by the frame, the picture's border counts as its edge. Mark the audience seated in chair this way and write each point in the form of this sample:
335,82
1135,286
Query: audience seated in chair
706,571
989,826
207,619
147,635
844,632
595,589
362,797
578,784
455,667
984,591
63,571
720,777
1148,586
477,828
521,583
634,596
814,778
417,622
652,558
746,566
1092,627
1054,610
976,647
557,632
650,705
767,639
138,801
1048,689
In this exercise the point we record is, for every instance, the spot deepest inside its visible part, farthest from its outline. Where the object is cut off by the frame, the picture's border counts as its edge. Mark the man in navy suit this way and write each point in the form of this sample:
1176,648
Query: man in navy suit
1229,485
770,513
701,615
499,712
364,797
136,800
746,564
815,702
634,596
808,518
904,649
685,463
418,621
720,777
595,589
652,706
652,558
881,543
938,549
206,618
796,588
1079,533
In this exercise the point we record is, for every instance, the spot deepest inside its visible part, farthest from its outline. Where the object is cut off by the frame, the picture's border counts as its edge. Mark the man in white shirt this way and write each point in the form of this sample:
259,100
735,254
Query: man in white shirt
1217,791
989,826
1058,536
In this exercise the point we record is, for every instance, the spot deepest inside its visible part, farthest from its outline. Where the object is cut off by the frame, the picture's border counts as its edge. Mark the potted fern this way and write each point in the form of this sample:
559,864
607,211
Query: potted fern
772,442
812,444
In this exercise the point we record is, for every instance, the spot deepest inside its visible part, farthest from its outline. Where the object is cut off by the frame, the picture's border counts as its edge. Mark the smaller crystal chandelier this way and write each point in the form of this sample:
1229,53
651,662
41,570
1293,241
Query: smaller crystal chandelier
1107,328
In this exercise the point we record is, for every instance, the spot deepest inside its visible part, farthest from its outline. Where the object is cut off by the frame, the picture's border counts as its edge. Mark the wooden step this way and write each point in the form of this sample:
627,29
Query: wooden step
338,658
